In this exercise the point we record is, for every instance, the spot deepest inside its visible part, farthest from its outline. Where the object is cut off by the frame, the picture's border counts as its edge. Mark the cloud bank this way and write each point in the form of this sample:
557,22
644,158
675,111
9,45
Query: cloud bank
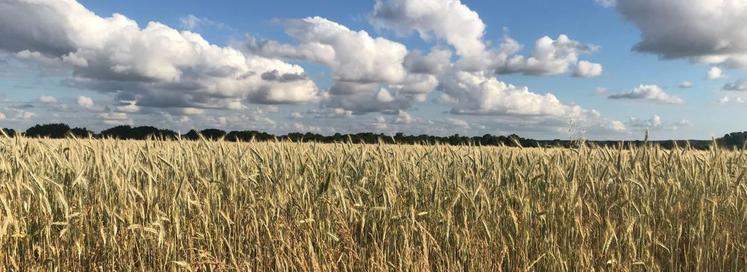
702,31
155,65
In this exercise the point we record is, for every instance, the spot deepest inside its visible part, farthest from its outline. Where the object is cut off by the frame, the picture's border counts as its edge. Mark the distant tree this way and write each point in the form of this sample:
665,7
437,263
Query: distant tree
734,139
295,136
192,135
142,133
139,133
249,135
55,131
213,134
9,132
731,140
81,132
118,132
167,134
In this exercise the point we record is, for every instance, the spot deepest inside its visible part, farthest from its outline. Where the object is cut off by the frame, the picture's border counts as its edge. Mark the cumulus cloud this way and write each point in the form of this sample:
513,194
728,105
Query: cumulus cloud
588,69
550,57
701,30
21,114
714,73
380,123
85,102
354,56
404,118
190,80
369,74
447,19
481,94
616,126
462,28
48,99
652,123
469,86
155,63
434,63
651,93
739,85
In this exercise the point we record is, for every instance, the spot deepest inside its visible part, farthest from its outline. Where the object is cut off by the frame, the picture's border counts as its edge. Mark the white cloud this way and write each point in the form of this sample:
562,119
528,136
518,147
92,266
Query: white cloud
653,123
155,65
480,94
181,73
685,85
380,123
448,19
19,114
85,102
2,116
368,73
617,126
714,73
404,118
550,57
48,99
649,93
354,56
469,86
705,31
462,28
588,69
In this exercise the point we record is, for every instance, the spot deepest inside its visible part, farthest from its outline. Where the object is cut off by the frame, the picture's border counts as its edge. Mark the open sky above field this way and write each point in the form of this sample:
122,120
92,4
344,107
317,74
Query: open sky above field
599,69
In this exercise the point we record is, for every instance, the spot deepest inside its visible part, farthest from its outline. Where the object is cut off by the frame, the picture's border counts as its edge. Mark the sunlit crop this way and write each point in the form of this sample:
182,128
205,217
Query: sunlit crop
90,205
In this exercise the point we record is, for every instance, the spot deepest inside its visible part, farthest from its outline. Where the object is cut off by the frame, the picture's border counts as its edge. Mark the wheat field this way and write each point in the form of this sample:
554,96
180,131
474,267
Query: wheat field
108,205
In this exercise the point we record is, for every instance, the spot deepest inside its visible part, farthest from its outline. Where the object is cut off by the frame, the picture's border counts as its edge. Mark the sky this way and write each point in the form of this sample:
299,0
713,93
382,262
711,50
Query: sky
594,69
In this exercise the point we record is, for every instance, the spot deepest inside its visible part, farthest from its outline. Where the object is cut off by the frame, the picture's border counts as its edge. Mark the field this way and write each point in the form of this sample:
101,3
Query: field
90,205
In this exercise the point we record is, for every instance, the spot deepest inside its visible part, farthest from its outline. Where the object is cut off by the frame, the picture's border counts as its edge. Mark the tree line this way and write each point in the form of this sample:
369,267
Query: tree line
59,131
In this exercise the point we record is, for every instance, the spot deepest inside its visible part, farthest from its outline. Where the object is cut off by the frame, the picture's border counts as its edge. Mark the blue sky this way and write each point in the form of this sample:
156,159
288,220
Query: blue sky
327,96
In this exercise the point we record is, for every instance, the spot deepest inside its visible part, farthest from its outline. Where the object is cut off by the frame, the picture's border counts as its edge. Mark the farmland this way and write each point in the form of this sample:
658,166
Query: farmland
93,204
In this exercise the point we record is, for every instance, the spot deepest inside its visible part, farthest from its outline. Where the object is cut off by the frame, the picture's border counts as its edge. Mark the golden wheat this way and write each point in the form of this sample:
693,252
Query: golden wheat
102,205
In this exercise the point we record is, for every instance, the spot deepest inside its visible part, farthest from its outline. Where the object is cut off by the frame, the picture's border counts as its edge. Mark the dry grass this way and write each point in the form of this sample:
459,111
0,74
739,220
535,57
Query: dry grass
75,205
